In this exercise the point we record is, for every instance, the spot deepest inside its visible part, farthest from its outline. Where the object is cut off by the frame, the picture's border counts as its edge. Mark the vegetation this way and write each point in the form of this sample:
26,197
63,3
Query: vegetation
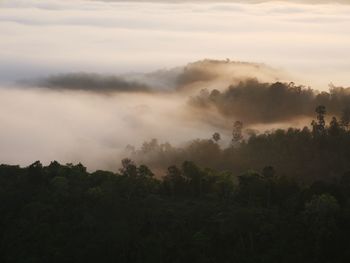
257,102
63,213
321,151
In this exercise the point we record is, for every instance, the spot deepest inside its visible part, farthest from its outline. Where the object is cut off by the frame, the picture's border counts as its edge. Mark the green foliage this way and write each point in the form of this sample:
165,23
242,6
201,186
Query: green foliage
193,214
322,205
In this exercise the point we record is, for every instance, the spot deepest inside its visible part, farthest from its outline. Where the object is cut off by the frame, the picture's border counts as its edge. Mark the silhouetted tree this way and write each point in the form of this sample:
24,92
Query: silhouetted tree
334,127
216,137
174,182
195,215
144,171
128,168
35,172
237,132
319,126
345,118
194,176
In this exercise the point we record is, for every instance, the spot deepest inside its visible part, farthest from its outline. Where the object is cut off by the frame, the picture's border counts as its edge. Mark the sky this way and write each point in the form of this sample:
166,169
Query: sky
51,49
38,38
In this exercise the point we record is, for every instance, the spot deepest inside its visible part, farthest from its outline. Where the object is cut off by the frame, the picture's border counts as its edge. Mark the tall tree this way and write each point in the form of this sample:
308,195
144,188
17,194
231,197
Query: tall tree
345,118
319,126
334,127
216,137
237,132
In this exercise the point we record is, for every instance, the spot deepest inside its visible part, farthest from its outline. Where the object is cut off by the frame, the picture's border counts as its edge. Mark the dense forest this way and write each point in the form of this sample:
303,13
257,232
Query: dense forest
259,102
320,151
295,208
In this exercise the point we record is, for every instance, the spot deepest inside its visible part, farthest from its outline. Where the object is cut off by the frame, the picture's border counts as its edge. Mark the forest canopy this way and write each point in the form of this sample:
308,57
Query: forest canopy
256,102
318,151
62,213
281,196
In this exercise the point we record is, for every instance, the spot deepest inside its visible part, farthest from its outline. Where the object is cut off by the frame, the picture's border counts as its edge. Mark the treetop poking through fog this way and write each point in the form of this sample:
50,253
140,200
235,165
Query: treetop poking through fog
256,102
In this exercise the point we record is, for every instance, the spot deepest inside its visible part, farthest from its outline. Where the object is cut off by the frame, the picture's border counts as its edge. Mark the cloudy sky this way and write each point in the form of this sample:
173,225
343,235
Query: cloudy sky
72,43
41,37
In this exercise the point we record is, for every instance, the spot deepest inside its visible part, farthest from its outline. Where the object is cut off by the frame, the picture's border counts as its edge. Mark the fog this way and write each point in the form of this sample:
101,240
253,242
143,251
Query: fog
82,127
87,117
81,80
93,118
187,78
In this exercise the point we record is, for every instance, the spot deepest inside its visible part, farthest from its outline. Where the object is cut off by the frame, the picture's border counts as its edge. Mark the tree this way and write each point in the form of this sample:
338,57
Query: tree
174,182
216,137
128,168
334,127
237,132
194,176
345,118
321,112
318,127
224,185
321,215
35,172
268,172
144,171
251,188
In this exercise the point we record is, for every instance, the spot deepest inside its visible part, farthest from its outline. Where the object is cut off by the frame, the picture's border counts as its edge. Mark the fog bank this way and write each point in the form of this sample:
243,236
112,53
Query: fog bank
93,118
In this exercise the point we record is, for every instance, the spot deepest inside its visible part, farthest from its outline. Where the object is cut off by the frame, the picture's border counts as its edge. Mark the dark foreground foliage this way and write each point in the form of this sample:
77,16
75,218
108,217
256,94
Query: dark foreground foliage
62,213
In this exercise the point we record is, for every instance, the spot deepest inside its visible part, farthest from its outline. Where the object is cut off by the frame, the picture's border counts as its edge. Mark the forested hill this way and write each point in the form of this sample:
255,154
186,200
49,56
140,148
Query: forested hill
295,208
62,213
320,151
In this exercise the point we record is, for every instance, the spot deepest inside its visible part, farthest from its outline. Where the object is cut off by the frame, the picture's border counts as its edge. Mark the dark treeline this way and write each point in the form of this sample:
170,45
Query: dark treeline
62,213
92,82
175,79
282,196
321,151
256,102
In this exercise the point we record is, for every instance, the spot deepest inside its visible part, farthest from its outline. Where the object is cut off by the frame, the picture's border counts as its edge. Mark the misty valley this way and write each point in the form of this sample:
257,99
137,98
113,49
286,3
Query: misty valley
247,195
173,131
293,206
